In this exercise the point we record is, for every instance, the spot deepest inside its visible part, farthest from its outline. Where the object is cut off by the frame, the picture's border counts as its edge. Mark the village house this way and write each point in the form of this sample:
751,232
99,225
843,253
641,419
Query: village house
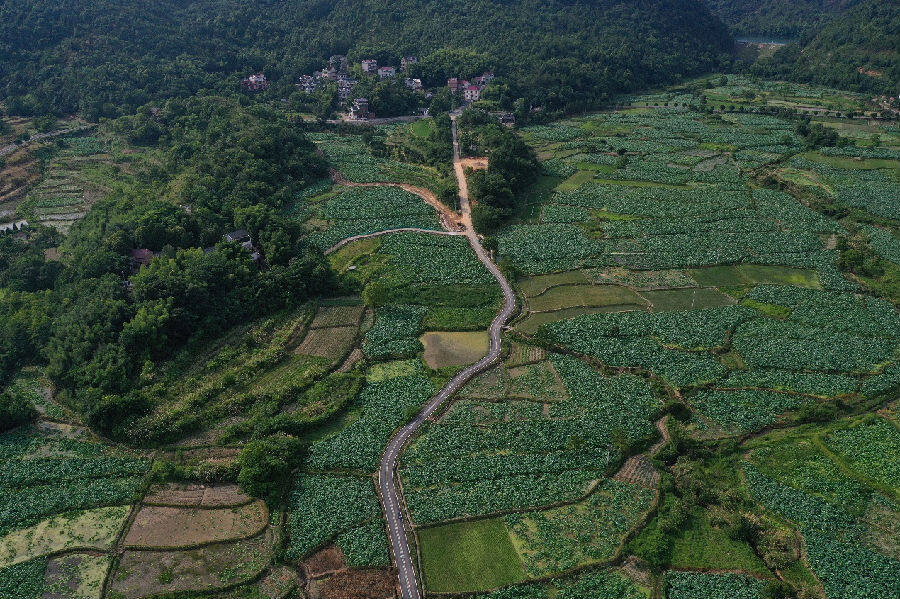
255,82
387,72
414,84
308,84
370,66
408,61
360,109
453,84
472,93
242,237
330,74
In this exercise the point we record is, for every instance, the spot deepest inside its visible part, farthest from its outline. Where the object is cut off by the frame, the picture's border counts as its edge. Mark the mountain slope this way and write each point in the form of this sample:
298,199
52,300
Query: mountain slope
105,57
858,50
777,18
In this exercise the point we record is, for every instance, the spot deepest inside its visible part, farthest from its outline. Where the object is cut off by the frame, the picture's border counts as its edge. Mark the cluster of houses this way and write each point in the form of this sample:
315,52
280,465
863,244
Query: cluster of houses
335,72
255,83
470,90
370,67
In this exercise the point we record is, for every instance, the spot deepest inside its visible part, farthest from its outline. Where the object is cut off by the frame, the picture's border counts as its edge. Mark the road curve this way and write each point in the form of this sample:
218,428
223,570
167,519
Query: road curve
387,472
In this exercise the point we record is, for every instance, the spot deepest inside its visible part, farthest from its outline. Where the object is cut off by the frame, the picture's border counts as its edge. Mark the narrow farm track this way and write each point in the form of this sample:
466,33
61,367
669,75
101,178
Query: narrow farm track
388,485
349,240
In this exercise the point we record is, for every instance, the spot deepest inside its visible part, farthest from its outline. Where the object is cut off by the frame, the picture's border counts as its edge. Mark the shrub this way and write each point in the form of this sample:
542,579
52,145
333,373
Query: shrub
15,410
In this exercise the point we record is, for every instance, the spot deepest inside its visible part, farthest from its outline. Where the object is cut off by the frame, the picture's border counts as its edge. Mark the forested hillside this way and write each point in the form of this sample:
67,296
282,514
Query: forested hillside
106,58
777,18
207,166
858,50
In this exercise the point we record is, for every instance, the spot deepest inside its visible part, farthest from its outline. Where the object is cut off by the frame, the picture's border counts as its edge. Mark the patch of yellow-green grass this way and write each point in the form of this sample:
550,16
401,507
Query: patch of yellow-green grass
606,215
571,296
454,348
422,128
577,180
78,576
773,310
348,254
469,556
687,299
755,274
802,178
392,370
91,529
703,546
538,382
530,324
846,162
532,286
733,361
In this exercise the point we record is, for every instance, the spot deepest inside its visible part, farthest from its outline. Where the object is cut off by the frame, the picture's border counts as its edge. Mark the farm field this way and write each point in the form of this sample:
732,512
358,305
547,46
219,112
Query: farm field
469,556
698,395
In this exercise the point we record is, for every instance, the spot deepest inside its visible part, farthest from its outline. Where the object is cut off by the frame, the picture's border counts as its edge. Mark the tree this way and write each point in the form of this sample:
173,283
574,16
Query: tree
266,466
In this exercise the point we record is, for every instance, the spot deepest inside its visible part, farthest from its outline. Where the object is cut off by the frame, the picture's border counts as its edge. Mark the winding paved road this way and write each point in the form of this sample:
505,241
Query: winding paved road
388,485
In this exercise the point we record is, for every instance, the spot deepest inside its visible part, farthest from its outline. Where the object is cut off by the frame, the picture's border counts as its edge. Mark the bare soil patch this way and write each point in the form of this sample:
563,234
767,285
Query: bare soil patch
361,584
78,575
147,573
327,561
176,528
195,495
476,164
454,348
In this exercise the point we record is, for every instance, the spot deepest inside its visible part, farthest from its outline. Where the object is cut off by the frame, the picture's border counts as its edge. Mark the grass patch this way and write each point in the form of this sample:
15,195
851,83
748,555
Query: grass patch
773,310
532,286
755,274
92,529
469,556
577,180
571,296
454,348
703,546
686,299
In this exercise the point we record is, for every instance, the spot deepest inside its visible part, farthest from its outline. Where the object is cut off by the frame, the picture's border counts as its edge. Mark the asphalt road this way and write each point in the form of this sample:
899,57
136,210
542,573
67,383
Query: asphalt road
387,472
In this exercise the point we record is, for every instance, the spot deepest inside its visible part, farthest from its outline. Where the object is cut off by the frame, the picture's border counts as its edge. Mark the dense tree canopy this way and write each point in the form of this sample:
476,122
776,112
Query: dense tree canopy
98,320
858,50
778,18
107,58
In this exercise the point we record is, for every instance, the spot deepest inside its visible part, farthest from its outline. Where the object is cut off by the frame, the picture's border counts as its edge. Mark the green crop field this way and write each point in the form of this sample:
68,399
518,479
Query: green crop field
469,556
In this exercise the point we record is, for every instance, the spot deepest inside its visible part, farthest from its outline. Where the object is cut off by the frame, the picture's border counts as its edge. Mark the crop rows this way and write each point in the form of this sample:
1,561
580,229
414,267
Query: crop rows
484,457
395,333
699,585
323,507
383,406
434,260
